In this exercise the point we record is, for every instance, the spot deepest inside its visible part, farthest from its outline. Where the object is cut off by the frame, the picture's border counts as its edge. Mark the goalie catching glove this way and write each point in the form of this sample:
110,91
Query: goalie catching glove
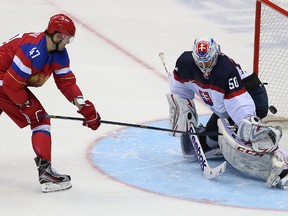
264,139
92,117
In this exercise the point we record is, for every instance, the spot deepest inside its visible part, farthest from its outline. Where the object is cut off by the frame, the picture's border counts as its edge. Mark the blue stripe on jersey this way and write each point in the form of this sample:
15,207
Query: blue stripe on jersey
61,58
42,131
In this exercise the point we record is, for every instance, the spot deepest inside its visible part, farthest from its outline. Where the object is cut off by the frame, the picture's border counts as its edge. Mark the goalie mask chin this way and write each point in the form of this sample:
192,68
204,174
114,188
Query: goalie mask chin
182,113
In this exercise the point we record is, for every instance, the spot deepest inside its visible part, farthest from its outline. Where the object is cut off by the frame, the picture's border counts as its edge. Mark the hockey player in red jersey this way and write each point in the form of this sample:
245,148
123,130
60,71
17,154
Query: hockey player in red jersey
232,94
28,60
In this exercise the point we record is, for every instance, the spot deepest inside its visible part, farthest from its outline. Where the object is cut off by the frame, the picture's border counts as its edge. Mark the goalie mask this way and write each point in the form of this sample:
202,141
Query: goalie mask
205,54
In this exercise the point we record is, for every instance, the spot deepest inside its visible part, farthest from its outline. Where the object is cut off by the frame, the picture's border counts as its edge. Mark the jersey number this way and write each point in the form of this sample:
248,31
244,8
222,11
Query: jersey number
233,83
34,52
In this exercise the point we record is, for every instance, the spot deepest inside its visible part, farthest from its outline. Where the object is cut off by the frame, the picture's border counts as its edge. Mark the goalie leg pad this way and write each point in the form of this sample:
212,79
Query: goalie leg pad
182,113
240,154
273,168
283,183
279,172
264,139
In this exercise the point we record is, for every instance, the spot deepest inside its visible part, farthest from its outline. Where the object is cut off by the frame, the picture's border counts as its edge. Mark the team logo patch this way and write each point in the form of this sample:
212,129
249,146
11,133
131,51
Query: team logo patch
206,97
202,48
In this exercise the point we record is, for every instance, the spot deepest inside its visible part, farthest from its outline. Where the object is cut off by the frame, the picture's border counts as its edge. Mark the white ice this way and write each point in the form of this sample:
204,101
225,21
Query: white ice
115,58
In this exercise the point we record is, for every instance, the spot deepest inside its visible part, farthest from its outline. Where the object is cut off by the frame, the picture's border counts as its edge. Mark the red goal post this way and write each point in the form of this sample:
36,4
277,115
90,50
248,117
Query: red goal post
271,50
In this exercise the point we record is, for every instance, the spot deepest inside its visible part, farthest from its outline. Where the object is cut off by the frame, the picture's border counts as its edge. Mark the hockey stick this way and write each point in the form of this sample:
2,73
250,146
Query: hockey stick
208,172
161,55
134,125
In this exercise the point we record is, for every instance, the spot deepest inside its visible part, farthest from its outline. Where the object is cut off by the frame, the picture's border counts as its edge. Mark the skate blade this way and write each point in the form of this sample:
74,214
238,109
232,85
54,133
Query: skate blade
54,187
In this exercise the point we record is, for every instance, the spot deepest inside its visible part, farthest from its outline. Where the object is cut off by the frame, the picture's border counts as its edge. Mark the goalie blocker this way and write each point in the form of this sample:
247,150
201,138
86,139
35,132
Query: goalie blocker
271,167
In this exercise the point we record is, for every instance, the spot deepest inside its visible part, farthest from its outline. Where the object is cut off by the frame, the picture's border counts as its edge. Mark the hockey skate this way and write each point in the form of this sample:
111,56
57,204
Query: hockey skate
279,173
50,180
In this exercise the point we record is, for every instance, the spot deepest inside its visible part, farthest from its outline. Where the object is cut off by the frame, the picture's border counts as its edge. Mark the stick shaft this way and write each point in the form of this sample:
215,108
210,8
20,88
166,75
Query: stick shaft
161,55
134,125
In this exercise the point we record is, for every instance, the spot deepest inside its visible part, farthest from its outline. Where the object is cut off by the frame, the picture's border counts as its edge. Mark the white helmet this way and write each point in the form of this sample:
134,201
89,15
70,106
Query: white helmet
205,54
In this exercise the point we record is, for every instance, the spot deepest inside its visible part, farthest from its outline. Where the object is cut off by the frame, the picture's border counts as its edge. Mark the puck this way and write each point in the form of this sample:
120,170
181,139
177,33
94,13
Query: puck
273,109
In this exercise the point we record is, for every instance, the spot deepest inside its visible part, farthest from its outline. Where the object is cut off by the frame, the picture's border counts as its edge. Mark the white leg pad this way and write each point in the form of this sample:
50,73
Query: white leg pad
279,163
241,155
182,112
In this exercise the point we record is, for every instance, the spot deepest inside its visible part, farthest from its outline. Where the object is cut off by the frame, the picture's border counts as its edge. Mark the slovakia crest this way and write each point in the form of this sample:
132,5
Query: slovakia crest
206,97
202,48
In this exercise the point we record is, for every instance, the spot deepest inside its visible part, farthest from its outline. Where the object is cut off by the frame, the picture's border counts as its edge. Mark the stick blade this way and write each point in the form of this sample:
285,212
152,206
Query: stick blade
215,172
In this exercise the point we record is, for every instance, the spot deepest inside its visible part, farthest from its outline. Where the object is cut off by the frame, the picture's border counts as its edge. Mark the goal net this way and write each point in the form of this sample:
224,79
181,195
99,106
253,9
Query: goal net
271,51
271,59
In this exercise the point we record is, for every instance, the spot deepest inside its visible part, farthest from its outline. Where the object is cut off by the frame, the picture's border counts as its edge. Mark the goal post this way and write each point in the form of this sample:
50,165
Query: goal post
271,50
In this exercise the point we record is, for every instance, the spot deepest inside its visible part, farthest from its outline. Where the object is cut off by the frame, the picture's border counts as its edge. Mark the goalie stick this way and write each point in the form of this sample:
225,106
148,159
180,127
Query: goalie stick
208,172
162,57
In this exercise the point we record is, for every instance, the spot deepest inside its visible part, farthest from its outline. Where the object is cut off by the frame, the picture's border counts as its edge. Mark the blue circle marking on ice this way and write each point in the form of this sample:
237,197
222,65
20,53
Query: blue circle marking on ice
152,160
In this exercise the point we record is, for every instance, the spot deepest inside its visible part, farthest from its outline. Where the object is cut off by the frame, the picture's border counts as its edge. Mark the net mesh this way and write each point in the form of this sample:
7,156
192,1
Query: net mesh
273,54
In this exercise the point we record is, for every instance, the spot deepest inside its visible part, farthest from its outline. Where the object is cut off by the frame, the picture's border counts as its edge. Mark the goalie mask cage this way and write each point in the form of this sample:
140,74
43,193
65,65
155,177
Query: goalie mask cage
271,51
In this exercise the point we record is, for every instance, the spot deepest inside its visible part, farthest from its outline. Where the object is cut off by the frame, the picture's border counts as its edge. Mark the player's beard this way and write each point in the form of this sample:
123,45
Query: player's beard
61,46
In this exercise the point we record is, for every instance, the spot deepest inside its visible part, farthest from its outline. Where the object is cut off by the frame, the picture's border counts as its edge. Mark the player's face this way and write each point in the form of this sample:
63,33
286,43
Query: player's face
65,39
204,65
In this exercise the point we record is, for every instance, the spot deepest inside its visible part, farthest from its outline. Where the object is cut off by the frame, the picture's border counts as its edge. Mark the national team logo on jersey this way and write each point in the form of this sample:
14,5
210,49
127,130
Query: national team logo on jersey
206,97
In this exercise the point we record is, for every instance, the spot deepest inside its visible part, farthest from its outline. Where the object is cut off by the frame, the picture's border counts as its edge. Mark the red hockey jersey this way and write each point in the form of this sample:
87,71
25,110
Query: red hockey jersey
25,61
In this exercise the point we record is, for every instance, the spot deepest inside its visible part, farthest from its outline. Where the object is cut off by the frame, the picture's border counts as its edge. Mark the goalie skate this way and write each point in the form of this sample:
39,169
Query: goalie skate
50,180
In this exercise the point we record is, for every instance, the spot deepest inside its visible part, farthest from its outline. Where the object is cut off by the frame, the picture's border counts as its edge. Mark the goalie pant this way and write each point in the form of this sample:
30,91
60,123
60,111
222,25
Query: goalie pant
240,155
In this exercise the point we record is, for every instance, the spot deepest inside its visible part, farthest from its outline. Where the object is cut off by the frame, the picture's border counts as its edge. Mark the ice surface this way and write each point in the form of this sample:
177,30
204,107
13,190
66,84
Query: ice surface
115,59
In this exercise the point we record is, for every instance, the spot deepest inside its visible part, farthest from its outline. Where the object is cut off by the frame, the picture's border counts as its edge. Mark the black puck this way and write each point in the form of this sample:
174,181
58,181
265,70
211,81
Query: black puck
272,109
